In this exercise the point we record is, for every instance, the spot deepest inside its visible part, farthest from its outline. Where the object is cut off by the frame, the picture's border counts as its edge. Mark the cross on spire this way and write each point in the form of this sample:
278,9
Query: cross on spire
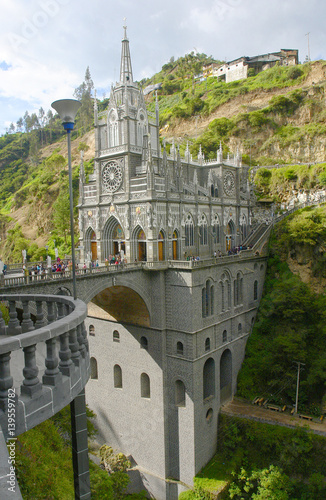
125,66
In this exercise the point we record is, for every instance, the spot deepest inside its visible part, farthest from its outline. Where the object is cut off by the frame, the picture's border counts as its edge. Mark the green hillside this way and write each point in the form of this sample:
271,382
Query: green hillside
277,116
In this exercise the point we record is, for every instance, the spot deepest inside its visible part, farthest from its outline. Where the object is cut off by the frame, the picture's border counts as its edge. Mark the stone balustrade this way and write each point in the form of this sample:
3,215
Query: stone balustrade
44,363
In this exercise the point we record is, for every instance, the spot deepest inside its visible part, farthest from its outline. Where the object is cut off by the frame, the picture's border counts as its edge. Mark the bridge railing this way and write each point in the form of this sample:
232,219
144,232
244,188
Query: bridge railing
54,326
47,338
30,278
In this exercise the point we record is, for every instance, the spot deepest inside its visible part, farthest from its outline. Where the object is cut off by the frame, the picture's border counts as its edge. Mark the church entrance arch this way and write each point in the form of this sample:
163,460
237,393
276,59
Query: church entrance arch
161,246
175,252
113,238
230,233
90,245
141,245
226,376
118,240
93,246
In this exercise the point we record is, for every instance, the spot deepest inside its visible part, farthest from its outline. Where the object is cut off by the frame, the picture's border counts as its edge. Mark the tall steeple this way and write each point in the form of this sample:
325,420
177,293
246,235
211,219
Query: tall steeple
125,66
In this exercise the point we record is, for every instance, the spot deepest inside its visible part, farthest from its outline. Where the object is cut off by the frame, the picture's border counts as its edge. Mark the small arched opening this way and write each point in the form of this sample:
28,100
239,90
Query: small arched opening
209,379
93,364
117,376
145,386
180,393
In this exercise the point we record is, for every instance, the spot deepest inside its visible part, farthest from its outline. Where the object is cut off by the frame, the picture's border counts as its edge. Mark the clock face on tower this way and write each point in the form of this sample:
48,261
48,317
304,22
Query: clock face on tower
111,176
229,183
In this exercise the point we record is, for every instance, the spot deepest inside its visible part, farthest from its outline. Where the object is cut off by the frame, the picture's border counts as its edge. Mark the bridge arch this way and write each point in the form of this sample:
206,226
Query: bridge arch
123,299
226,376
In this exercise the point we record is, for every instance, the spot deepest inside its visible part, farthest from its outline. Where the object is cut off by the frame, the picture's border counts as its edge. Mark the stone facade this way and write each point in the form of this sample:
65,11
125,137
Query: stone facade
167,347
150,205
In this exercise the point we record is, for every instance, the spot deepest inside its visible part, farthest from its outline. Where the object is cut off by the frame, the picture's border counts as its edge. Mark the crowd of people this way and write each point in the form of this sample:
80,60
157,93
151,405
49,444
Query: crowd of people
117,260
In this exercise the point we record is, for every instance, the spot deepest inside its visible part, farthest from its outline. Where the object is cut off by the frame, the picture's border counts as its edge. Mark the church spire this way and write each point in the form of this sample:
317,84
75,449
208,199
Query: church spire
125,66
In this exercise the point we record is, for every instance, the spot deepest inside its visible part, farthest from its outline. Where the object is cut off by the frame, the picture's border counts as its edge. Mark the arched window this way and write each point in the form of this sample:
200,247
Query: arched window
180,348
255,290
203,234
144,343
212,300
207,344
214,191
117,376
209,379
92,330
93,363
208,299
189,232
239,328
180,393
225,336
145,386
238,290
216,229
116,336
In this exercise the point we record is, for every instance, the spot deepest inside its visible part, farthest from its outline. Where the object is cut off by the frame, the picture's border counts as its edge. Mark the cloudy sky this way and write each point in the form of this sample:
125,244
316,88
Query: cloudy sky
46,45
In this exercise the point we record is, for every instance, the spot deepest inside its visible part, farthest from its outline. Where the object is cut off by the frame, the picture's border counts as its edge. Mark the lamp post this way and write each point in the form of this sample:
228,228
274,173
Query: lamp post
67,110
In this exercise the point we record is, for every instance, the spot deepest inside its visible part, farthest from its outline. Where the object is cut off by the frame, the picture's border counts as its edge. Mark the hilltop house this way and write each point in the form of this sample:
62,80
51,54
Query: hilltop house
238,68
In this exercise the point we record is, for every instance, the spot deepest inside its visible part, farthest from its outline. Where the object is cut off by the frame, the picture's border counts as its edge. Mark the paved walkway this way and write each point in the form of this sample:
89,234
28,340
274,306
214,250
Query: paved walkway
241,409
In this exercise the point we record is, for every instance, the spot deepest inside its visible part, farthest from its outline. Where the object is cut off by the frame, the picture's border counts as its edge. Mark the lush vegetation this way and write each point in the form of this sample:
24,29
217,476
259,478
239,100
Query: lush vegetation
291,323
261,461
44,464
274,182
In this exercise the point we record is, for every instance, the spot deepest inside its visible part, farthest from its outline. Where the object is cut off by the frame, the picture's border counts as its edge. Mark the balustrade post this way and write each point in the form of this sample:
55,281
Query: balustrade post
14,327
31,384
39,314
27,324
74,346
3,327
6,380
52,374
51,312
65,363
84,331
60,307
81,341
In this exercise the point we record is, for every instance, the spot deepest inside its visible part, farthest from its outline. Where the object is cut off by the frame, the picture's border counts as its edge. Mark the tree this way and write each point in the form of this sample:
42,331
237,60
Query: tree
116,464
61,214
264,484
20,125
83,93
41,120
11,129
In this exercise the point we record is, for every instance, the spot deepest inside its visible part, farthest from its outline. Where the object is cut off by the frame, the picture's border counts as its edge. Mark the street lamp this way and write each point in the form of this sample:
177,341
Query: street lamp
67,110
